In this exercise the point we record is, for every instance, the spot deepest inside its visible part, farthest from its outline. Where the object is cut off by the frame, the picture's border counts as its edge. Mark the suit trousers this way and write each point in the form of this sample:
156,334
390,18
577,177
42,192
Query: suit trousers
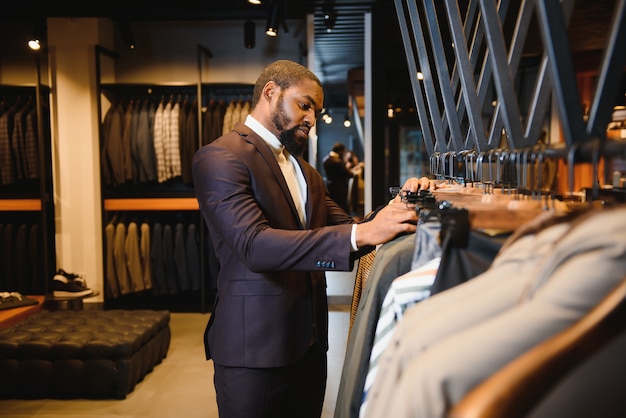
277,392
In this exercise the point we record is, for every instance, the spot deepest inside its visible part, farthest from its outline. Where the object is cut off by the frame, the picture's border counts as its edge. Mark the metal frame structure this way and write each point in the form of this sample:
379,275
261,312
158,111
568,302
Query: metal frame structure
468,101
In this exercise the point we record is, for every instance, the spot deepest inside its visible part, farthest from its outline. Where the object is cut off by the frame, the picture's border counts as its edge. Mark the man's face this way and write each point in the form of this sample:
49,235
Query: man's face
295,114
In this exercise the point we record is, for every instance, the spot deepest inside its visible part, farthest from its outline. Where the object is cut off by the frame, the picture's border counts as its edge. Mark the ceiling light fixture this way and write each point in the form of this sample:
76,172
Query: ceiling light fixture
34,44
346,122
273,19
126,32
330,17
257,2
36,41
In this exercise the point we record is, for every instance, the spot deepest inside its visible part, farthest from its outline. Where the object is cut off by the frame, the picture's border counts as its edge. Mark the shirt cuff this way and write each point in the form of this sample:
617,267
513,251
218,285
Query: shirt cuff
353,238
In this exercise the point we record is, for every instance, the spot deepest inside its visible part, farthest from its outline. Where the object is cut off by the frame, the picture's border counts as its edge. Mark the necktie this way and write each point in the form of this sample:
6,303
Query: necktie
289,171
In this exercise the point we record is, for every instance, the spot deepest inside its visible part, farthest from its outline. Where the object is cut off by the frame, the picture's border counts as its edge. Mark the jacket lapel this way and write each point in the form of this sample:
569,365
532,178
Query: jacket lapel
268,155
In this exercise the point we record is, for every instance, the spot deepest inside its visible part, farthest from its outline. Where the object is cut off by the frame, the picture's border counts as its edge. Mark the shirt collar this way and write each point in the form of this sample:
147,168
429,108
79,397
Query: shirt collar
265,134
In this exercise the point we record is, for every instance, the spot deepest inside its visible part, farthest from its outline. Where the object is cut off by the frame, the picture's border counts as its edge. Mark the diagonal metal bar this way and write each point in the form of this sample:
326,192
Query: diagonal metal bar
485,69
472,20
443,75
515,53
503,79
466,75
442,145
541,93
486,77
610,75
539,103
553,30
422,113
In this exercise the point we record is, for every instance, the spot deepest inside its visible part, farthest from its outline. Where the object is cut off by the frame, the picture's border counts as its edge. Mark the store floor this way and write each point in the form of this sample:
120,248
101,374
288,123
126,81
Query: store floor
182,385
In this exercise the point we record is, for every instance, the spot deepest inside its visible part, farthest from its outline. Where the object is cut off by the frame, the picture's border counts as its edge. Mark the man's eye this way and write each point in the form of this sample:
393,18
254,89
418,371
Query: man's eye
305,106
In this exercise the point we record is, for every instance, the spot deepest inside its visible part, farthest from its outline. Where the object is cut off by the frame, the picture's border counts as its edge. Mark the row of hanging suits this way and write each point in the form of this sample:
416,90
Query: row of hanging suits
20,258
221,116
144,141
19,147
437,313
153,257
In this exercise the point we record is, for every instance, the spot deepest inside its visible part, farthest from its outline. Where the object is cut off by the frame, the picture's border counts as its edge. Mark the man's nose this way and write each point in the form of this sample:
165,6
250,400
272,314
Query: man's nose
309,119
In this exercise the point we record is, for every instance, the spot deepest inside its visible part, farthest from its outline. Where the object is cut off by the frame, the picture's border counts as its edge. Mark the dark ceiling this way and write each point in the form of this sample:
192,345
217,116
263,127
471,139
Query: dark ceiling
337,51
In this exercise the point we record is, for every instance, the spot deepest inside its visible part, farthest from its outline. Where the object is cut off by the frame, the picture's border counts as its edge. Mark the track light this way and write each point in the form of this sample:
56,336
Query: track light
36,41
249,34
330,17
126,32
273,19
34,44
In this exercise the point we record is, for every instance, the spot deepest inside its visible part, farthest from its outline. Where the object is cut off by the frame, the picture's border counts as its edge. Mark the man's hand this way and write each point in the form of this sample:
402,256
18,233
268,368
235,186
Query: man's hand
392,220
414,185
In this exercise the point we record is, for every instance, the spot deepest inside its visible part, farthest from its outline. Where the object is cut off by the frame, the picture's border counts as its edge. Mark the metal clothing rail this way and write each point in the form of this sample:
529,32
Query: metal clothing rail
470,102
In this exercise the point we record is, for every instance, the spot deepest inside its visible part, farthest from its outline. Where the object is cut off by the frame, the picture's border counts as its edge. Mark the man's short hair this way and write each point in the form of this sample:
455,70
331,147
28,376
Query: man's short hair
285,74
339,147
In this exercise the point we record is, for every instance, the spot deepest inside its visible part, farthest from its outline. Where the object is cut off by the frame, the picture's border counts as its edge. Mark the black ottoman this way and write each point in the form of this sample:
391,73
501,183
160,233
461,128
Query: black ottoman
81,354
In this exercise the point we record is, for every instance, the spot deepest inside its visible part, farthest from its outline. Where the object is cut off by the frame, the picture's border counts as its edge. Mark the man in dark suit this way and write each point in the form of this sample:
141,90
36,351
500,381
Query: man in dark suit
338,175
267,334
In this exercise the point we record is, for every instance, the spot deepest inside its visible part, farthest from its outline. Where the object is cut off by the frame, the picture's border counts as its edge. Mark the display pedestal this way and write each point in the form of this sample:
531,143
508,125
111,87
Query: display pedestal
74,303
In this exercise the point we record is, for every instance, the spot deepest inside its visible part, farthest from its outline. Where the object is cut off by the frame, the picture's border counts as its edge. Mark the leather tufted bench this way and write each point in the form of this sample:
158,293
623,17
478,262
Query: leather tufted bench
81,354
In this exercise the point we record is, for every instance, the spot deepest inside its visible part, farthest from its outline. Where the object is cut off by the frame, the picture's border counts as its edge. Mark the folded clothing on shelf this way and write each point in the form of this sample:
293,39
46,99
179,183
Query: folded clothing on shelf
9,300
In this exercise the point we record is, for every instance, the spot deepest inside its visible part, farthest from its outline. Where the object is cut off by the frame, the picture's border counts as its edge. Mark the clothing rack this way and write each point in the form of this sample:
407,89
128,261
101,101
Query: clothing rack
26,196
173,198
143,91
468,106
227,92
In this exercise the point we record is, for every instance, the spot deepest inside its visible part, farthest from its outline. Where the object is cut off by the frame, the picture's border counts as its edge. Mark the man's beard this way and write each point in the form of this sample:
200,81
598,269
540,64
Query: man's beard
287,137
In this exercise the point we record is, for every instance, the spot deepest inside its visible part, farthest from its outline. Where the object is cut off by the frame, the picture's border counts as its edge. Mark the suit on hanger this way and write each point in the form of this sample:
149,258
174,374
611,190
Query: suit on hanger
536,287
282,297
393,259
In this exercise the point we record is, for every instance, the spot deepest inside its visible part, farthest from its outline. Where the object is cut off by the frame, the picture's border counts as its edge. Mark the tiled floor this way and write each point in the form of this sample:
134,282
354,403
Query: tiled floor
181,386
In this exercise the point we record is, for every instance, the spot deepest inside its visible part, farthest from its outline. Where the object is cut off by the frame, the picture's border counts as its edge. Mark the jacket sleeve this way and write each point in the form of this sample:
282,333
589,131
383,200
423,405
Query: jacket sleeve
243,202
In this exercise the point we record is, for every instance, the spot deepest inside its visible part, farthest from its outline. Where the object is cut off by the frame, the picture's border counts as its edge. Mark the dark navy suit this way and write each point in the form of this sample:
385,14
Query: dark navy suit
271,291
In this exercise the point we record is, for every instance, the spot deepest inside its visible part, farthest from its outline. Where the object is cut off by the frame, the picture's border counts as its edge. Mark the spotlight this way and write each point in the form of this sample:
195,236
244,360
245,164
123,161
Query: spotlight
254,2
249,34
346,122
330,17
273,20
35,43
127,35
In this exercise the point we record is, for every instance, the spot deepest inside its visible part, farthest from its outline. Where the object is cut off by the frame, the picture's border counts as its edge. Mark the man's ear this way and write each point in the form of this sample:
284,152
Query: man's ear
270,90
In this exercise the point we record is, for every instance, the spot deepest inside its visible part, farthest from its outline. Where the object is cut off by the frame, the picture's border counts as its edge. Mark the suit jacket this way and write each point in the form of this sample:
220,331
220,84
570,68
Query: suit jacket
535,288
271,291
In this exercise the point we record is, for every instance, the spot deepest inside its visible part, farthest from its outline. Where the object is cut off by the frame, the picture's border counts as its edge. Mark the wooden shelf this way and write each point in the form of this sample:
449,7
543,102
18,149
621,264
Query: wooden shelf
20,205
9,317
184,203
